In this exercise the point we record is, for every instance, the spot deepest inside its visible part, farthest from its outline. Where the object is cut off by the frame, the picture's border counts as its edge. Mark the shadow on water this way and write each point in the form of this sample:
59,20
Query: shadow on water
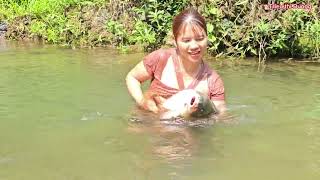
173,140
169,141
176,145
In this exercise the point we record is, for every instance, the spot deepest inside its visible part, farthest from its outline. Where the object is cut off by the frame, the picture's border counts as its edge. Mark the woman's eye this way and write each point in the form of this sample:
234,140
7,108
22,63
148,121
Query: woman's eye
186,40
200,39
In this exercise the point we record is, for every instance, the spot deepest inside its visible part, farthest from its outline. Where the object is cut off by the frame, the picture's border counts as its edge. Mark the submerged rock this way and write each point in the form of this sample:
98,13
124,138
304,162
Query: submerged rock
3,28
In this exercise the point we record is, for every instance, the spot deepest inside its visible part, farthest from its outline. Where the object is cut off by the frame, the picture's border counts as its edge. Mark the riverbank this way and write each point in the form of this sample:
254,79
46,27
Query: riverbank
235,28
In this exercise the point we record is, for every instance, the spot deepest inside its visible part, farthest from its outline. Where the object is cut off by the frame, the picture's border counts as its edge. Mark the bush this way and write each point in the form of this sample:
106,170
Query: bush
235,27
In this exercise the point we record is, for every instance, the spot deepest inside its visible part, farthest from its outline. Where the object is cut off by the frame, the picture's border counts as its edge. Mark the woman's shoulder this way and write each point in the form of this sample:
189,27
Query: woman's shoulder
211,73
162,51
156,60
215,84
154,57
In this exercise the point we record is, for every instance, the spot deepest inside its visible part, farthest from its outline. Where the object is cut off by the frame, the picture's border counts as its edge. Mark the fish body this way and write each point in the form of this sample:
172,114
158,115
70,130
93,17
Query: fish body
187,104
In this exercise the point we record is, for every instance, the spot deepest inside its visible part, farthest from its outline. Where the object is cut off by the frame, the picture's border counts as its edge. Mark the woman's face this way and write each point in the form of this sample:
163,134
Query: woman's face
192,43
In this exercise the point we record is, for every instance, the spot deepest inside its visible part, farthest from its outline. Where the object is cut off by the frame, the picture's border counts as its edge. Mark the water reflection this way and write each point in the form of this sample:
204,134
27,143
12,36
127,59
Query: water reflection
169,141
173,140
3,44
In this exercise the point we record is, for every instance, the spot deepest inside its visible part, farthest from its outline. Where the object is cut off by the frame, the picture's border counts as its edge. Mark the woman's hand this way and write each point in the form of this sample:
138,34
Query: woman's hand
149,105
152,102
221,106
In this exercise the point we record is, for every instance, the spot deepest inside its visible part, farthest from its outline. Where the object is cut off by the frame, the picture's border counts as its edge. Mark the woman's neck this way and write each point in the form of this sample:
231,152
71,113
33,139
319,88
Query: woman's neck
190,68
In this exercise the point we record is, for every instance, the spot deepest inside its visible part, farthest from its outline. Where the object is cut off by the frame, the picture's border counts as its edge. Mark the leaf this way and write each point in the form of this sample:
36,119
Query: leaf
251,50
209,27
240,3
213,10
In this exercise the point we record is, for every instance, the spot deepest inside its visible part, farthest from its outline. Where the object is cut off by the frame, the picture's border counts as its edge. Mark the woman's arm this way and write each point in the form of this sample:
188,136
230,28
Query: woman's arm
217,93
220,105
134,79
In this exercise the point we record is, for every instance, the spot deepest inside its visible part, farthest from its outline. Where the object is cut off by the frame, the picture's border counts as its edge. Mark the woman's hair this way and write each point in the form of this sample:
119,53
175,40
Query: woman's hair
188,16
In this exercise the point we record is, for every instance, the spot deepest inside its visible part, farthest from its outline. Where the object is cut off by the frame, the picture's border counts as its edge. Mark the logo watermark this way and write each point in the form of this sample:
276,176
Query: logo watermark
286,6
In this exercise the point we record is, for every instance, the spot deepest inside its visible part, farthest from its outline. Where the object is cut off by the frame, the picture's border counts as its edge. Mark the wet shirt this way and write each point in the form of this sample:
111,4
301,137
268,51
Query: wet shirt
156,61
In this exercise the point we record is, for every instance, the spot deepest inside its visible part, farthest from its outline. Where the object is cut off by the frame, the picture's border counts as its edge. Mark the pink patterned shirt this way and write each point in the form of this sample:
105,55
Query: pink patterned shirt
156,61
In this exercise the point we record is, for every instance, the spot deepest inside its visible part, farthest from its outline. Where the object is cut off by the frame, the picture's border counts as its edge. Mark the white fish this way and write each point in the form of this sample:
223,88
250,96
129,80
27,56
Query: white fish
187,104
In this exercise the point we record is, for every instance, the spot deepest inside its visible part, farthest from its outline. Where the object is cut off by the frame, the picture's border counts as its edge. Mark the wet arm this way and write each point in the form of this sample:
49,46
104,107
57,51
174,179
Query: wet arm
220,105
217,94
134,79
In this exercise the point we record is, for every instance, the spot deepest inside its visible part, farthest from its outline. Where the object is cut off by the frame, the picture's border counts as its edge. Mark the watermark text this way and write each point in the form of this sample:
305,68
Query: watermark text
286,6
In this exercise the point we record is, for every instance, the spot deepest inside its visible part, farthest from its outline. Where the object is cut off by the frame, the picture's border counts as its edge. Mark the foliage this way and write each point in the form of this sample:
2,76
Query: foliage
142,34
244,28
118,31
158,14
235,27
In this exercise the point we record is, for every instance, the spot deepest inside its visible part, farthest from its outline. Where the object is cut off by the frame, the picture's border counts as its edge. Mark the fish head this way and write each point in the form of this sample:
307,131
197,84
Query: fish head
193,100
204,108
186,103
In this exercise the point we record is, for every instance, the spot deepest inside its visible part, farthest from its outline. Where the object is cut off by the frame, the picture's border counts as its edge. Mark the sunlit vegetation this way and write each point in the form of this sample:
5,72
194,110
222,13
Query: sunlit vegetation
238,28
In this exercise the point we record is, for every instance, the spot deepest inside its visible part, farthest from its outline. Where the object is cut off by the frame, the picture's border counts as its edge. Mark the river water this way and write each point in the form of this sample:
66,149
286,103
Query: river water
66,115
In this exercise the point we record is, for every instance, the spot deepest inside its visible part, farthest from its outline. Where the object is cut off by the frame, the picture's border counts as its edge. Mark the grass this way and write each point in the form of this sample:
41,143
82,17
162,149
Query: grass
238,28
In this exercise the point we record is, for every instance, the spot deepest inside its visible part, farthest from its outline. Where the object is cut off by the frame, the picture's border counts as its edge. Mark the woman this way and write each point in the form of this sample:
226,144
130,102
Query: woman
172,70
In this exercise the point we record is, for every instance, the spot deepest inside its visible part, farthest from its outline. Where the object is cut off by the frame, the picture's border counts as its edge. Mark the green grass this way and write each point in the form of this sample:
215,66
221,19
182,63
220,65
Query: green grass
238,28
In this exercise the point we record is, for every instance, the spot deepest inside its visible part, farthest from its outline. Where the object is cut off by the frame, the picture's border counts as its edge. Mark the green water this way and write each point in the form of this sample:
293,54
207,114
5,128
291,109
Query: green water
64,115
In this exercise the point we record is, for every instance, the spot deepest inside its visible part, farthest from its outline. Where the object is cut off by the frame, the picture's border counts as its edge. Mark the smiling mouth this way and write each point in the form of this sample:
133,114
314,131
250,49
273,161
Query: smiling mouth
194,53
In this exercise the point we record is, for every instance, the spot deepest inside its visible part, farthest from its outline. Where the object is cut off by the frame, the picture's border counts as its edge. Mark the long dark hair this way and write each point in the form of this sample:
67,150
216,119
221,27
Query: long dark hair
188,16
